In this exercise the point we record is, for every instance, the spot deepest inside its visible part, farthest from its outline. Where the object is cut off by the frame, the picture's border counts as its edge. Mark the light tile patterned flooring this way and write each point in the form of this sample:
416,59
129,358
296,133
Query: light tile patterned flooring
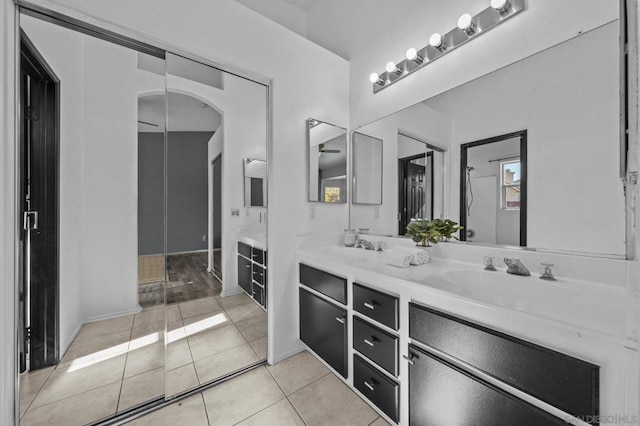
298,391
115,364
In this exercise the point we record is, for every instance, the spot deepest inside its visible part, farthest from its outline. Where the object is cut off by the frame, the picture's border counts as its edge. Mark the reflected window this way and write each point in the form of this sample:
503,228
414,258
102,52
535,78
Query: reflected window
510,184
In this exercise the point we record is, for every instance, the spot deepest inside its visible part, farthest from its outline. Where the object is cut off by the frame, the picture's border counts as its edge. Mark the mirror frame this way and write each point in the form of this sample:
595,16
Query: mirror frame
522,134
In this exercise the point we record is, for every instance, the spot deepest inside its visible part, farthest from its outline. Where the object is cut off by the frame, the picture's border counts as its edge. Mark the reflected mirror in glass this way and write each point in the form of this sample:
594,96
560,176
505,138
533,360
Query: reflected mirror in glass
493,202
217,290
255,182
367,169
327,163
570,107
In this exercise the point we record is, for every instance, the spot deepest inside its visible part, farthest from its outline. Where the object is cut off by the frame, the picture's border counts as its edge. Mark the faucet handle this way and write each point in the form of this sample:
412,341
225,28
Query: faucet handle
547,272
489,263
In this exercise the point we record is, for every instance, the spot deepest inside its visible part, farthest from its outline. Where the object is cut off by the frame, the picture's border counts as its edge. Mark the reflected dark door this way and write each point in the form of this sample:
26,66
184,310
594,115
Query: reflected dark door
216,216
38,186
416,191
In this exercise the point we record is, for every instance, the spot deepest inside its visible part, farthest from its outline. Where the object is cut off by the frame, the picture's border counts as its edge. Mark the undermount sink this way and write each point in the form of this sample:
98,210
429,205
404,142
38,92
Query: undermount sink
502,288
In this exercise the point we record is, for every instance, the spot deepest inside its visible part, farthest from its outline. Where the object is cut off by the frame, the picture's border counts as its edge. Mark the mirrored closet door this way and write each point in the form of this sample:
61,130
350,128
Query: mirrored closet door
143,269
91,296
216,242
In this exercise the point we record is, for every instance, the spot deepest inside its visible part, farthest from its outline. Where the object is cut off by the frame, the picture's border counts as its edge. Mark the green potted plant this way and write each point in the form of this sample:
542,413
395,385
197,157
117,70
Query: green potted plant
426,232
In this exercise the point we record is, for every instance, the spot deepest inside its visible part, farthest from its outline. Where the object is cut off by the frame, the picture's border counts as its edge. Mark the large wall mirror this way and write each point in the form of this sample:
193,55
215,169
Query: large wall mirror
327,162
569,106
126,161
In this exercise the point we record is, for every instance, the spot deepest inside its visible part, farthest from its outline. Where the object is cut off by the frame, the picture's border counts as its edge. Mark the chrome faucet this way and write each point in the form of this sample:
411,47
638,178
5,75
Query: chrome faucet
515,267
367,245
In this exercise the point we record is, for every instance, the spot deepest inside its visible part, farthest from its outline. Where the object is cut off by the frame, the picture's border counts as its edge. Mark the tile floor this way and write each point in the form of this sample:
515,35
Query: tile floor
298,391
115,364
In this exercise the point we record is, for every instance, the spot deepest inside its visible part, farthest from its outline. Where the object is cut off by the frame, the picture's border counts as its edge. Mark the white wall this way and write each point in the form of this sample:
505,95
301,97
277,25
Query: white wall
282,12
543,24
419,121
308,82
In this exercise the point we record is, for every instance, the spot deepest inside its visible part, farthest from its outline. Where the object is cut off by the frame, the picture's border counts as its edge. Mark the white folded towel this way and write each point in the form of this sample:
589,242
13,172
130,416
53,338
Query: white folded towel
418,256
394,258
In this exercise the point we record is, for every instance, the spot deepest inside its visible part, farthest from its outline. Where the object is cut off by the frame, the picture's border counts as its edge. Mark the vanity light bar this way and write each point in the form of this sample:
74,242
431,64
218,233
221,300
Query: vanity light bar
439,45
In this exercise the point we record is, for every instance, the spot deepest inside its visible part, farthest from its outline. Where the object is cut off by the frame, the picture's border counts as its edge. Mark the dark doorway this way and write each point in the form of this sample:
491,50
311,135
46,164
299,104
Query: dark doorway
216,216
503,158
416,189
39,204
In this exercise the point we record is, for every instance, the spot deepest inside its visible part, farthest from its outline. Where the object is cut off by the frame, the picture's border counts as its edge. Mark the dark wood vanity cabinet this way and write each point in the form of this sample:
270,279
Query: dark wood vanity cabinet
323,328
252,272
442,394
565,382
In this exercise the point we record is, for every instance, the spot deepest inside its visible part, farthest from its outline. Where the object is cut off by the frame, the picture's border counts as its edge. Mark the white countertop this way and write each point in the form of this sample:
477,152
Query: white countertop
255,236
579,306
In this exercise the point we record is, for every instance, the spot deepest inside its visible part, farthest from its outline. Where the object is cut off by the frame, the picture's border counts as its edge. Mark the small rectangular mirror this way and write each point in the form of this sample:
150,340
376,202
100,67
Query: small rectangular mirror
255,182
367,169
327,165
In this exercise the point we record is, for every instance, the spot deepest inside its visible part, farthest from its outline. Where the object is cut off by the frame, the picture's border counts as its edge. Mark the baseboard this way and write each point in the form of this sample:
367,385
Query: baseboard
176,252
227,293
135,310
291,352
65,347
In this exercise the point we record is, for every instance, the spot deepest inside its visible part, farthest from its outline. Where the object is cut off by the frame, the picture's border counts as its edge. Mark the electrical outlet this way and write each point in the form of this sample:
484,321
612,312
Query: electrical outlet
312,212
235,212
376,212
204,238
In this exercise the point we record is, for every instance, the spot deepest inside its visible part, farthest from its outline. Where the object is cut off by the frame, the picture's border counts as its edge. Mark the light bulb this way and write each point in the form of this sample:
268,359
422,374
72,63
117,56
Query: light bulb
500,5
412,55
391,67
465,23
374,78
435,40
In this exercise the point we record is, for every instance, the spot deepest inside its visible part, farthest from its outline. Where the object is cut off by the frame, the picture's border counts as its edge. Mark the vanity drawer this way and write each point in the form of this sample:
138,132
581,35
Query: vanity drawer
328,284
560,380
382,391
257,293
244,250
257,255
377,345
259,274
376,305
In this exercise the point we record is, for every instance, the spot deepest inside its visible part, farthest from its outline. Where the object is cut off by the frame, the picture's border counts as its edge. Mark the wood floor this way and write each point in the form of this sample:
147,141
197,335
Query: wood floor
188,280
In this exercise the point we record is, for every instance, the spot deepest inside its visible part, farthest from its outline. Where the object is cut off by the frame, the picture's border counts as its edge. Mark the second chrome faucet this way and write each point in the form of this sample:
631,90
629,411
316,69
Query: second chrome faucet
516,267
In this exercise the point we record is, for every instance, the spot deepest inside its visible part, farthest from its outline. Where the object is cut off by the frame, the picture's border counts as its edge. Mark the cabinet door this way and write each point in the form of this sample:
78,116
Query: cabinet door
323,327
442,395
244,274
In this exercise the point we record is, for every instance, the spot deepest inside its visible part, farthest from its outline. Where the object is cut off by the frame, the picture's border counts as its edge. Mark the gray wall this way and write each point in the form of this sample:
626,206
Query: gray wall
186,192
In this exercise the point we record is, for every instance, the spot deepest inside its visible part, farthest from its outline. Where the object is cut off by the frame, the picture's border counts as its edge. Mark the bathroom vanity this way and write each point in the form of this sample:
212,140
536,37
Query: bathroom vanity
252,271
449,343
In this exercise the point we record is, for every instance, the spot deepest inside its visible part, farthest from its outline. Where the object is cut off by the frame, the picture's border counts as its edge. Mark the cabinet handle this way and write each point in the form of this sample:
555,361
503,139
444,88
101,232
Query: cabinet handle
369,305
370,342
369,385
410,359
247,266
340,320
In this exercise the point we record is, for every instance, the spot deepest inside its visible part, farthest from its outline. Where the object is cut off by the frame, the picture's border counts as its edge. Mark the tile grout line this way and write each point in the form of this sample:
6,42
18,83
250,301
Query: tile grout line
287,396
124,370
37,393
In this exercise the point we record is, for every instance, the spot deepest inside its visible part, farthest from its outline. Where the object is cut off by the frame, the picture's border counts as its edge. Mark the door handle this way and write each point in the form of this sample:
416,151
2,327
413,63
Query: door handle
340,320
30,220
